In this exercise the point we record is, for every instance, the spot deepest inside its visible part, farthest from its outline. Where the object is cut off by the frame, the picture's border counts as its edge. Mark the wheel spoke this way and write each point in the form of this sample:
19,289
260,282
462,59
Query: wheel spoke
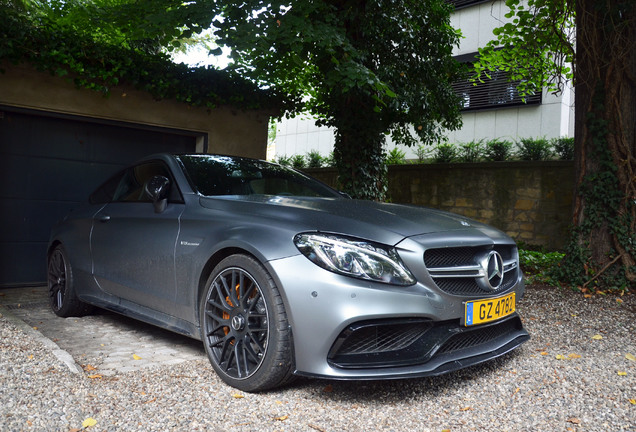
237,349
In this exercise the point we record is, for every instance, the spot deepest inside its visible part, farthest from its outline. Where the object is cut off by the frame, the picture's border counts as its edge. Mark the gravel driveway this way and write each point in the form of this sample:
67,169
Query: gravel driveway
577,373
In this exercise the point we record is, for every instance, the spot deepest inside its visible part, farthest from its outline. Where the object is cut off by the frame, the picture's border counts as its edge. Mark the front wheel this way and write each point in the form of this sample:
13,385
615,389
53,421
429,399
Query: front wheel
244,326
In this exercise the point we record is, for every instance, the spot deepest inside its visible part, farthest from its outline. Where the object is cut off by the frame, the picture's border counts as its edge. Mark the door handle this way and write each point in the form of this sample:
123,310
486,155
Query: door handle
104,218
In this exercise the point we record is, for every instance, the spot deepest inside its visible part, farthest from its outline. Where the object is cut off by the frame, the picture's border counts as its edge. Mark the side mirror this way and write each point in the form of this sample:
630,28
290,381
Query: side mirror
157,188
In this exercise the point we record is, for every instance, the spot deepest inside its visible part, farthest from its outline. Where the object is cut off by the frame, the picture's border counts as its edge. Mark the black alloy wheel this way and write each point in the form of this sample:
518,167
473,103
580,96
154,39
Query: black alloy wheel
62,297
244,326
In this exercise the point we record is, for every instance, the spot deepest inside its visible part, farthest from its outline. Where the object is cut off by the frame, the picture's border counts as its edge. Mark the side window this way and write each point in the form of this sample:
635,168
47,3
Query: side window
104,194
131,184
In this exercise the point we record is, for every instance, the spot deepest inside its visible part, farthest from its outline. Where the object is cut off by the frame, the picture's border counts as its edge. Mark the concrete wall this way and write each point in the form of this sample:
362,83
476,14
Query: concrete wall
530,201
227,130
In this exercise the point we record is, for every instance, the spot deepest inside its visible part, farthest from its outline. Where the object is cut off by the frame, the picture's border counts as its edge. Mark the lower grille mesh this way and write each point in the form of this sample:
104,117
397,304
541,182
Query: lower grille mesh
377,339
476,337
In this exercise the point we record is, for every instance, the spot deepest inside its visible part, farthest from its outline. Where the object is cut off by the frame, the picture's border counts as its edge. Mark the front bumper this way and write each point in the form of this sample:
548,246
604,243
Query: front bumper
345,328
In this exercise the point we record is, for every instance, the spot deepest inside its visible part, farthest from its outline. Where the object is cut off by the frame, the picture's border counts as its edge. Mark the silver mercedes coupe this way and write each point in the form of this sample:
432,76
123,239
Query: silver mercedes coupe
281,275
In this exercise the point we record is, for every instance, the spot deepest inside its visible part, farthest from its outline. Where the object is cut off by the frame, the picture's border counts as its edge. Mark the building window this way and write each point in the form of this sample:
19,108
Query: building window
460,4
493,92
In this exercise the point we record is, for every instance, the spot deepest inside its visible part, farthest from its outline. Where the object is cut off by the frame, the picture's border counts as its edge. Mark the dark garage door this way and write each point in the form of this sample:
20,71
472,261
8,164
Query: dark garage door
50,164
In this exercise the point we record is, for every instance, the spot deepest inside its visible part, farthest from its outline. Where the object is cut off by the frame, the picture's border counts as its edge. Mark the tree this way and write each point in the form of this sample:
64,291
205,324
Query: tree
538,45
365,68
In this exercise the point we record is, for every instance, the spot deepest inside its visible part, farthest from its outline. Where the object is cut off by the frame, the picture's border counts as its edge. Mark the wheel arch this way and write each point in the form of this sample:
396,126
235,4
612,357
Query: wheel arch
209,266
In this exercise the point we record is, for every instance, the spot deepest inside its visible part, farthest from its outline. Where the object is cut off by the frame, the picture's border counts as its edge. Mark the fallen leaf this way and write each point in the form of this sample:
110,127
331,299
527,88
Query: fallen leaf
136,357
282,418
619,301
74,430
89,368
238,396
328,388
587,296
560,357
95,376
621,373
446,430
630,357
544,353
150,401
89,422
597,337
632,401
30,356
29,423
466,409
35,328
574,420
574,356
517,390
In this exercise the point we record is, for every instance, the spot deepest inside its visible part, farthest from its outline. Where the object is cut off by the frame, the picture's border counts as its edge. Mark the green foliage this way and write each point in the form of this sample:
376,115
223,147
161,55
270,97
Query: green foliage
564,147
396,157
534,149
536,46
68,49
445,153
423,153
498,150
471,151
298,161
538,265
359,67
284,160
314,159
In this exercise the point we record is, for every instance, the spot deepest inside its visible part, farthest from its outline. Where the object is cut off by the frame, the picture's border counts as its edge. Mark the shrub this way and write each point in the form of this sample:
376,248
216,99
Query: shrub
314,159
539,265
284,160
445,153
534,149
422,153
396,157
498,150
564,147
298,161
471,151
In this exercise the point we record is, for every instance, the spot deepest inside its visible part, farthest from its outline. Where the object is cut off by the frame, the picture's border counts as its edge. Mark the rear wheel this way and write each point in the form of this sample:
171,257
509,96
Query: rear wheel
244,326
62,297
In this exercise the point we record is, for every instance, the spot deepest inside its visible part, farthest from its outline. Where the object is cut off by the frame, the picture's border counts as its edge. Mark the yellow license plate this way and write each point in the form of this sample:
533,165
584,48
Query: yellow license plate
483,311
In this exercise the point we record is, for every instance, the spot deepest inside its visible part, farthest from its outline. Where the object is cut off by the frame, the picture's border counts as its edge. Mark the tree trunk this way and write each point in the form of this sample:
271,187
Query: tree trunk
359,149
604,214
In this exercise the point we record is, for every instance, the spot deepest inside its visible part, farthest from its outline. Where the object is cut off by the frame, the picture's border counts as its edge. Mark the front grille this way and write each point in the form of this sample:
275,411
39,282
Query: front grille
383,338
458,271
395,343
476,337
468,286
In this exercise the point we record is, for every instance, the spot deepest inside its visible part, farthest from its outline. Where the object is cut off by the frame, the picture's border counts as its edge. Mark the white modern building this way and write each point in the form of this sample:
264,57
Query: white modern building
491,109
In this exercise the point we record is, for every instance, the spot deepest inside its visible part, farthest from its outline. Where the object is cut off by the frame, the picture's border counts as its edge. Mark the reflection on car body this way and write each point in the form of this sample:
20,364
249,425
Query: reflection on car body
280,275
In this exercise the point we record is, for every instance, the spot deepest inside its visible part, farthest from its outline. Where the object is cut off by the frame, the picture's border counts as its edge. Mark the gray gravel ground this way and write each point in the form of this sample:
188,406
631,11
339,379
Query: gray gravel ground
563,379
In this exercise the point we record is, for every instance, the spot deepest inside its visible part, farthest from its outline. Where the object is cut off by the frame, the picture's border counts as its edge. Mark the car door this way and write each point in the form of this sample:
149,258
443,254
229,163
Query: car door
133,247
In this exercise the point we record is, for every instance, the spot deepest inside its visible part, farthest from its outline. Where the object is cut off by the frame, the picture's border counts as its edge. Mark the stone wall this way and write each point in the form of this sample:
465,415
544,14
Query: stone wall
531,201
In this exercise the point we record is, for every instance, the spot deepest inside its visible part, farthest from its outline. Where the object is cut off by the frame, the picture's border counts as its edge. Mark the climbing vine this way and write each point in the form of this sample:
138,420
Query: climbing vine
51,46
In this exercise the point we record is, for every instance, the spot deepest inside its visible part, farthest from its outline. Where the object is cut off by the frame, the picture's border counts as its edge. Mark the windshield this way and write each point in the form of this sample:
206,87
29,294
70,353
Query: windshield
212,175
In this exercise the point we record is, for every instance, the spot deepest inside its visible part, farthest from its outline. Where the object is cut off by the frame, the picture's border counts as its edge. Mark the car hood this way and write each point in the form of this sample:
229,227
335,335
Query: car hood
386,223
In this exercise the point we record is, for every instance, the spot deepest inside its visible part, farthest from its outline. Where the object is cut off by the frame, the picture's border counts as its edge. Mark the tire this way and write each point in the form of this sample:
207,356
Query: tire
62,297
244,326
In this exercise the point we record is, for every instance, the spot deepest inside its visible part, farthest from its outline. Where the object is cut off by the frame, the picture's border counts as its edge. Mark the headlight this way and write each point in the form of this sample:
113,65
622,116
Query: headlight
356,258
